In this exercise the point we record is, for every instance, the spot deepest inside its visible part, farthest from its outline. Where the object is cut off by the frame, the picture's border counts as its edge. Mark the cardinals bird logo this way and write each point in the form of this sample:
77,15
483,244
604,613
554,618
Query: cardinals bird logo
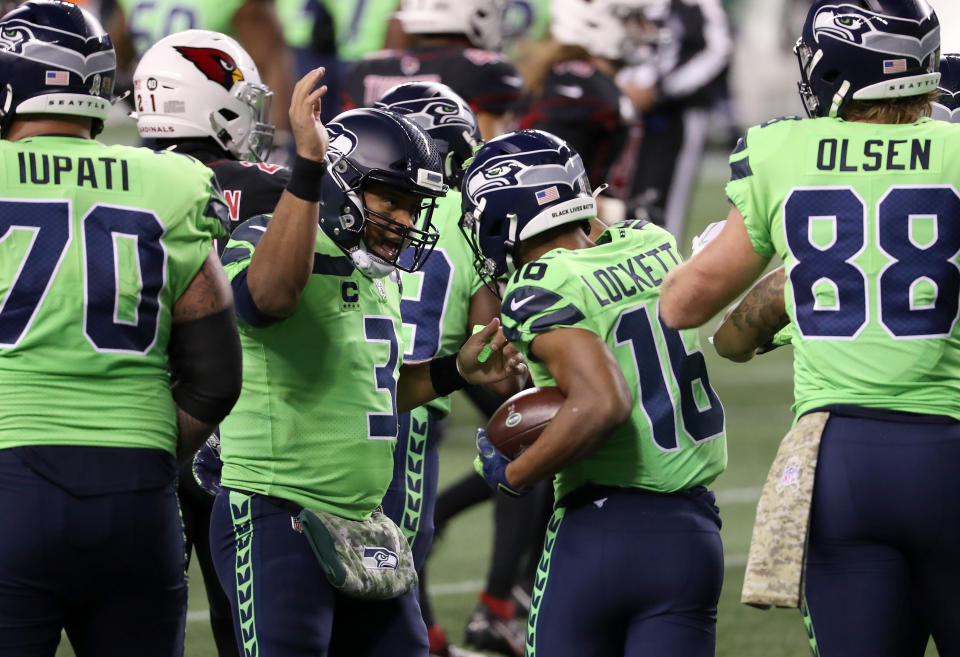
217,65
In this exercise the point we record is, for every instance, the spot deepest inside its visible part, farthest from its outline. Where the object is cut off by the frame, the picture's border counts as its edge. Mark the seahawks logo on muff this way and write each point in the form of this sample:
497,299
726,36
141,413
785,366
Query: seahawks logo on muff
376,558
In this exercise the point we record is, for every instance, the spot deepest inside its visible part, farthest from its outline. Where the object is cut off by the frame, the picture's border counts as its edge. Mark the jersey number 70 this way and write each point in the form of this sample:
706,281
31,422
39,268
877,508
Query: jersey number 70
51,224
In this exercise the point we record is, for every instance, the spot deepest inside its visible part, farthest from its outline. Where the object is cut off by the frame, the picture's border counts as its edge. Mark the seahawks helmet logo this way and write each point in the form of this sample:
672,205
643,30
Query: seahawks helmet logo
13,37
441,113
885,34
61,51
342,141
501,173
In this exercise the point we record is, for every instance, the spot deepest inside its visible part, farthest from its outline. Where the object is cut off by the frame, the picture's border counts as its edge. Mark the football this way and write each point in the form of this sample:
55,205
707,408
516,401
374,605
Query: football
520,420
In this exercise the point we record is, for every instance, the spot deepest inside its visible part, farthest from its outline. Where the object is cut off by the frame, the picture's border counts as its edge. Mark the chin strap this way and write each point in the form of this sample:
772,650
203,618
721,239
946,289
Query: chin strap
370,265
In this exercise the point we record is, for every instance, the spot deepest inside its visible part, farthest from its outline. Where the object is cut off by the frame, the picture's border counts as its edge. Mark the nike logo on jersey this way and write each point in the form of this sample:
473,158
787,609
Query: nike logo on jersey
516,305
570,91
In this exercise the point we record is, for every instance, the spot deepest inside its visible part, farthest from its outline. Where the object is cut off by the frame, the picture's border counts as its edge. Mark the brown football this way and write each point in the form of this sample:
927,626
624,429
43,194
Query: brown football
520,420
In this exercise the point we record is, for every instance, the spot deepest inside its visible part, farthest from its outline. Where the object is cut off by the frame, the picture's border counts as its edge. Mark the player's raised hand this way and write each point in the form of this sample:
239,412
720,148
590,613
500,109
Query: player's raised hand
308,130
503,359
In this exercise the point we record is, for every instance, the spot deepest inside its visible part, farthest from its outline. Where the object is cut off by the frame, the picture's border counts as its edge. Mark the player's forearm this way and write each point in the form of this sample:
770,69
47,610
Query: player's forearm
414,386
578,429
686,300
191,434
755,320
283,260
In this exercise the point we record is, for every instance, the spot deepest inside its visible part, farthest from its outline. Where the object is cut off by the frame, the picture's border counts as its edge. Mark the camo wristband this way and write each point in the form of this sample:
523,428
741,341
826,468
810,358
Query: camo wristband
305,179
445,375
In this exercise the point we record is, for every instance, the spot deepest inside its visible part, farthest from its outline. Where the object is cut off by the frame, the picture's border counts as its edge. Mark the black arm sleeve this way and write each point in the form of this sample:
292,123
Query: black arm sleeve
206,365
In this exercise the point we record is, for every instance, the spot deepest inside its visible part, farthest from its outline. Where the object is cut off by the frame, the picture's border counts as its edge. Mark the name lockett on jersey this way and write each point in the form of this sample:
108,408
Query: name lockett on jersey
615,282
92,172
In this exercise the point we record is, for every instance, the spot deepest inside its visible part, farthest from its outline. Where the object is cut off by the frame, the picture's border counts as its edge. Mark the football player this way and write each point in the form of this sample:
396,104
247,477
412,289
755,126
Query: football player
111,291
441,303
453,43
673,86
572,91
199,93
136,26
860,201
316,423
641,433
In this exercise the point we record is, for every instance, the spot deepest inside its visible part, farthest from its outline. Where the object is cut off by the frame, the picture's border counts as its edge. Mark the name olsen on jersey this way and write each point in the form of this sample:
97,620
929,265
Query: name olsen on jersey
890,155
92,172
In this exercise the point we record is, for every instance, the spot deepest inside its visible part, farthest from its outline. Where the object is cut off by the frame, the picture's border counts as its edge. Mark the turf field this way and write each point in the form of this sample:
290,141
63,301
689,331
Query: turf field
756,396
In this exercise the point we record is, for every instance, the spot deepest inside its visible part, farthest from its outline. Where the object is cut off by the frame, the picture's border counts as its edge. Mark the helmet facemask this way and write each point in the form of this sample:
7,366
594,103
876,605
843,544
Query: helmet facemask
248,137
487,269
807,60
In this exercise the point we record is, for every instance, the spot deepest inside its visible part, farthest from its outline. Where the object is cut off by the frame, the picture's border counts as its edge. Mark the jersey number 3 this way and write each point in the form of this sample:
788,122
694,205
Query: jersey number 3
103,226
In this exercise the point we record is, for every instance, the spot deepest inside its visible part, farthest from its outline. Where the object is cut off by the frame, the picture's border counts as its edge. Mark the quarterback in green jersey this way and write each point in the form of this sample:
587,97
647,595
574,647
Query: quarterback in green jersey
641,433
861,202
324,378
118,351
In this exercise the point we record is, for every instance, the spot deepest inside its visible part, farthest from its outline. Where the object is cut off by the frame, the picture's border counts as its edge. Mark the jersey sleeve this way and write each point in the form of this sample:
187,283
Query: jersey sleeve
742,190
236,257
191,236
491,82
540,299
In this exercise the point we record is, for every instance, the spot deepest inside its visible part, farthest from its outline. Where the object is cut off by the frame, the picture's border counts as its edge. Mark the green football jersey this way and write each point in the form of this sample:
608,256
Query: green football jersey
316,422
436,299
675,436
148,22
865,218
94,252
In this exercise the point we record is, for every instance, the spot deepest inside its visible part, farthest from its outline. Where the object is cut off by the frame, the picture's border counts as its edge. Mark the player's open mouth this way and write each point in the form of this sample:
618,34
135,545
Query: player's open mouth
388,250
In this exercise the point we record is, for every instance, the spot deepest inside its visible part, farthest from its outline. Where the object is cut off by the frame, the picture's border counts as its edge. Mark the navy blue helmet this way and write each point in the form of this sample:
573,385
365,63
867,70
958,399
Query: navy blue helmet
947,106
379,146
519,185
55,58
445,116
866,50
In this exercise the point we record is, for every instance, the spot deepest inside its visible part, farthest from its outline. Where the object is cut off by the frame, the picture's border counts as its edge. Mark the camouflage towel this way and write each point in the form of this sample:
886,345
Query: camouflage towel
367,559
775,566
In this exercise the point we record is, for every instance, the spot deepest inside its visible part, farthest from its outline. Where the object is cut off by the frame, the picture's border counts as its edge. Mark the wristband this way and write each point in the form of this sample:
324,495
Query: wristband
445,375
305,179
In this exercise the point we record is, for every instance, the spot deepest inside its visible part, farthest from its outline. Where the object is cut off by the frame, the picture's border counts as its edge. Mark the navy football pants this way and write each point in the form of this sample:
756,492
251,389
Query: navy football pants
626,573
283,605
412,495
883,567
109,569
